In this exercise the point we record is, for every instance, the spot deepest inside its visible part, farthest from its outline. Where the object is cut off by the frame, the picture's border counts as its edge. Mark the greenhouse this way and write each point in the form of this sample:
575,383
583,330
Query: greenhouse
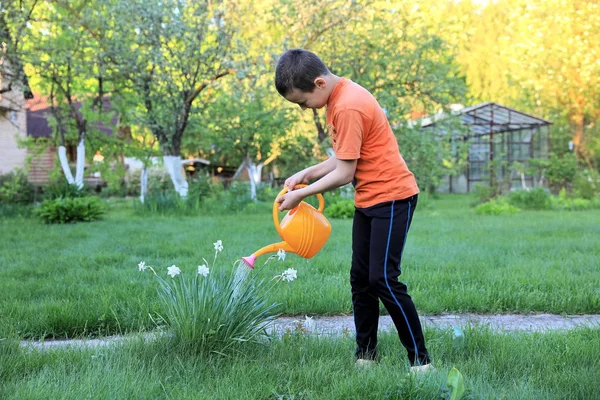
497,137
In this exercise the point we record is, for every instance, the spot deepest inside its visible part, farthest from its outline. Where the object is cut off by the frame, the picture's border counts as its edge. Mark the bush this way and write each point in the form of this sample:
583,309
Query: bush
587,184
536,199
497,206
212,312
67,210
342,209
16,189
62,189
563,202
483,193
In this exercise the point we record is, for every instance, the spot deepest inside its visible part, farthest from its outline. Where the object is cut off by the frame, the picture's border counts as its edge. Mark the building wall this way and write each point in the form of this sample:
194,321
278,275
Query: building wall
41,165
13,127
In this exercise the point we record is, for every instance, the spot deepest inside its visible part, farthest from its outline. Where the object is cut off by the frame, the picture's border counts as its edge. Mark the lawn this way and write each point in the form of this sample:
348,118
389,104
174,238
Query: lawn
82,279
494,366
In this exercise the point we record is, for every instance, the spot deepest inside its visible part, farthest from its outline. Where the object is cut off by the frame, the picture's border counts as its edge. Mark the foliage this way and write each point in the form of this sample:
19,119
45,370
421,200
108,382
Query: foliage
158,180
483,193
563,202
559,170
16,189
587,184
342,209
62,189
432,154
535,199
213,311
68,210
496,206
456,383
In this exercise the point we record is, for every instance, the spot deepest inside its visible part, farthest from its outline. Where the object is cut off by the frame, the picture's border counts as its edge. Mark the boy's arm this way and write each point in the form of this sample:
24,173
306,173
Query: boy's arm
342,174
311,173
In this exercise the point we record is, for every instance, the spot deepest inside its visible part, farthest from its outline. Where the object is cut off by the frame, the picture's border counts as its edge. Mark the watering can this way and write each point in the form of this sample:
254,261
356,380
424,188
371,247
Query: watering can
304,230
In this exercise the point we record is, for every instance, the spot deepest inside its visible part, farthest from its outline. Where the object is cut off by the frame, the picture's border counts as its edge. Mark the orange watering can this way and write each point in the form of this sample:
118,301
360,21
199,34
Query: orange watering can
304,230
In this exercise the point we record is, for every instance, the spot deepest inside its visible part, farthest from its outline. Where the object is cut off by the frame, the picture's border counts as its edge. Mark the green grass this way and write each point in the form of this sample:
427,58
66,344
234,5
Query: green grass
494,366
82,279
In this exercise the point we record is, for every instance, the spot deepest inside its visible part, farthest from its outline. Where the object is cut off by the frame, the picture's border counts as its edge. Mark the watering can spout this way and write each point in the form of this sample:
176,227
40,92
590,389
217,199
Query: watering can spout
304,231
272,248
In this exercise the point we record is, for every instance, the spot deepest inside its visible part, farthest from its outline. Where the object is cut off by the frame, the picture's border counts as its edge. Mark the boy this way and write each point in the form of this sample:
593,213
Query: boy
366,153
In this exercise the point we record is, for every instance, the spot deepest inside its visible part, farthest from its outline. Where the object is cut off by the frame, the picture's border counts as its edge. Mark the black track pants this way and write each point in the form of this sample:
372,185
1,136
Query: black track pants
378,236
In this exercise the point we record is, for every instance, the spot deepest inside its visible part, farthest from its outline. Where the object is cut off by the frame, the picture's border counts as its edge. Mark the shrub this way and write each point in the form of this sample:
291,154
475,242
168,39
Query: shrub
16,189
587,184
214,312
563,202
63,189
342,209
67,210
536,199
497,206
483,193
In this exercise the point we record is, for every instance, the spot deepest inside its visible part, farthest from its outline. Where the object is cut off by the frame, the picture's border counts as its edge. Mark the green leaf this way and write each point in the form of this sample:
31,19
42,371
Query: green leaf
456,382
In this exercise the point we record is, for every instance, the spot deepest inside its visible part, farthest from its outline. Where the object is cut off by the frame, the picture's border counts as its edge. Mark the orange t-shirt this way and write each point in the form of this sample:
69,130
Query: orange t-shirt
360,131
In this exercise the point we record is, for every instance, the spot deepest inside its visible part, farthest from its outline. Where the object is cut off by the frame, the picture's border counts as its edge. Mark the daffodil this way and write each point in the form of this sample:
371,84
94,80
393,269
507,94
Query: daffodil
281,255
218,245
173,271
289,274
142,266
203,270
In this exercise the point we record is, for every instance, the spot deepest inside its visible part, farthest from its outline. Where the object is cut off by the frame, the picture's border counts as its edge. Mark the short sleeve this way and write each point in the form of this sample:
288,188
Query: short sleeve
347,134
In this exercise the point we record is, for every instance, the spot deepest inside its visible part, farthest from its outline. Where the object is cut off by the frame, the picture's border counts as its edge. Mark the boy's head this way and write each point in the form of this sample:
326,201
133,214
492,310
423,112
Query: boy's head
301,77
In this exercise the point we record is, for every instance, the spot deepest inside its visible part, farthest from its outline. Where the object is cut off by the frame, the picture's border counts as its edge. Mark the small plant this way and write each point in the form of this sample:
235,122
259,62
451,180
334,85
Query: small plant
497,206
16,189
536,199
64,189
342,209
67,210
213,312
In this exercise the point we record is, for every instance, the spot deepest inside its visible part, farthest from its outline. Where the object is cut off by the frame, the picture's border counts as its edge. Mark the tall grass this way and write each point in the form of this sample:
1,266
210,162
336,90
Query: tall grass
81,280
216,313
494,366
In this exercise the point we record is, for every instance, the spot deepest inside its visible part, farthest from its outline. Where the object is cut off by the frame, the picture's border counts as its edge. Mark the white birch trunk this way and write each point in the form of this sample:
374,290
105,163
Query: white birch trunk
523,184
173,166
64,163
254,174
80,164
143,184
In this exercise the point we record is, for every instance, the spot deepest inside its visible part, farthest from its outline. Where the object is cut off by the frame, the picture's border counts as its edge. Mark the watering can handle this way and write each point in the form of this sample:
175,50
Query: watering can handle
276,207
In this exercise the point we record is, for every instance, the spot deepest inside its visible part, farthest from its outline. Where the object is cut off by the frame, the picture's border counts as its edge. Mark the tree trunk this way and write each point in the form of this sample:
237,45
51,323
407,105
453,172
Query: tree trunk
254,173
64,163
143,184
322,134
173,166
80,162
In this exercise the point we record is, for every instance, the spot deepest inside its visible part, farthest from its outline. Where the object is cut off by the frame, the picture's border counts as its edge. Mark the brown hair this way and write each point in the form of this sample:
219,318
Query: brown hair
298,69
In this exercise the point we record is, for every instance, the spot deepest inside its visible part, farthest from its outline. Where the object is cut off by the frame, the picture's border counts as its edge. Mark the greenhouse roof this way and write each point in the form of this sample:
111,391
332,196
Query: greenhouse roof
485,118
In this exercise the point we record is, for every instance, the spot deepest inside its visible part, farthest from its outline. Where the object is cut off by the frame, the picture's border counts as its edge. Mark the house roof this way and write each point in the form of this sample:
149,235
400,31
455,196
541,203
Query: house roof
38,110
485,118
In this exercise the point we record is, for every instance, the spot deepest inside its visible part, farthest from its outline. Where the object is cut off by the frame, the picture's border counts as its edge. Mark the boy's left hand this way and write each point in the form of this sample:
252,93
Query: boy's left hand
289,200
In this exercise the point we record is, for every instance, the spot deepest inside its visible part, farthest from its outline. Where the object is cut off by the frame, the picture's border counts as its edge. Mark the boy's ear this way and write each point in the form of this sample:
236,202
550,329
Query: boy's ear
320,82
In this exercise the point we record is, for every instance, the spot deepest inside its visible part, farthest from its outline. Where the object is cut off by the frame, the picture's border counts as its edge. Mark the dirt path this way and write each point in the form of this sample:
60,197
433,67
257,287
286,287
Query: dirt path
341,325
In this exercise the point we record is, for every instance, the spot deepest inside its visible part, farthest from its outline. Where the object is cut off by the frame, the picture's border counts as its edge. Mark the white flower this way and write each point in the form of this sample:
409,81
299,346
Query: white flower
289,274
281,255
142,266
309,323
173,271
218,245
203,270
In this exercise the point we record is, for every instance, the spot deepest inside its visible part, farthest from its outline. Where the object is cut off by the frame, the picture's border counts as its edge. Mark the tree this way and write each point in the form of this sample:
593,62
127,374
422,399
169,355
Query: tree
167,53
62,61
245,126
